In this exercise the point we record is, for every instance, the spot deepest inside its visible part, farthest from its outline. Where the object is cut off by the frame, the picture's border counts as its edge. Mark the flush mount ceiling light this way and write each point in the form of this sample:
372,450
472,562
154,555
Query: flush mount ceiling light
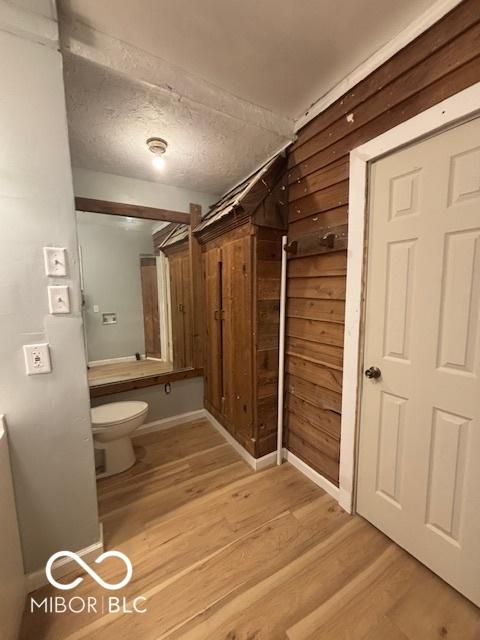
157,146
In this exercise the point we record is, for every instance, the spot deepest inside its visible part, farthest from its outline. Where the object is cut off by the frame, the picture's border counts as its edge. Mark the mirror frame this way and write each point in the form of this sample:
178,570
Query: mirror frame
191,219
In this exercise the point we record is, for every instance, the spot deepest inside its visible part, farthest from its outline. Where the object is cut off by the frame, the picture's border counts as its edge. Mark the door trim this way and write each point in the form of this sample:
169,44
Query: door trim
458,107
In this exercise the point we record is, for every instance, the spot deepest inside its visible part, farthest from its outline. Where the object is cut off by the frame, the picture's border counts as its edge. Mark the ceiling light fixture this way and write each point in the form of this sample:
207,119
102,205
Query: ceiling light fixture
157,146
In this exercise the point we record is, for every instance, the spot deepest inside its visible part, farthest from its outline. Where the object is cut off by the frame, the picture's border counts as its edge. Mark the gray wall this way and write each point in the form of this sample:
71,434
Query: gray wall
111,249
48,415
186,395
106,186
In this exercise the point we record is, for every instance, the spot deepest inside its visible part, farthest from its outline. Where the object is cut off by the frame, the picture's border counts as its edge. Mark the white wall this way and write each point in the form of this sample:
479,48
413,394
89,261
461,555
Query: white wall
105,186
48,415
12,582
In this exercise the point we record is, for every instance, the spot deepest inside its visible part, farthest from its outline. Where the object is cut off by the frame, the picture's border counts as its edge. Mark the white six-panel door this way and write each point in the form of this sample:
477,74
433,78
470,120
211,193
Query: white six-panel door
419,446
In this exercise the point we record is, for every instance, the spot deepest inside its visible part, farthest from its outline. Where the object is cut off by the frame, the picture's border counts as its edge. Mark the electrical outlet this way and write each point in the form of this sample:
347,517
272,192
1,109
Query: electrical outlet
55,259
37,358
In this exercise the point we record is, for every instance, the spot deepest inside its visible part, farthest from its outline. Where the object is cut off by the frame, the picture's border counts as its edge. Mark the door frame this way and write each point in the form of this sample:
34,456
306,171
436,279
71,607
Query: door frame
461,106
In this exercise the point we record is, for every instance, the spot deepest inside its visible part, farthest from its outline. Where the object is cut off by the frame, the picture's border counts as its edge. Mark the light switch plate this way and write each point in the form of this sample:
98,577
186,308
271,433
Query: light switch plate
37,358
58,299
55,261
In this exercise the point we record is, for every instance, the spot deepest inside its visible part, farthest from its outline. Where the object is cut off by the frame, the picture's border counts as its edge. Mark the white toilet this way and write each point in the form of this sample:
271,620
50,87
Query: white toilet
112,426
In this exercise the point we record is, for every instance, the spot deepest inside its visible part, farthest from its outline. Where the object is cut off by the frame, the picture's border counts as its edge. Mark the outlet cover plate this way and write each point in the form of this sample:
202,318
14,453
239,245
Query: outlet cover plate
37,358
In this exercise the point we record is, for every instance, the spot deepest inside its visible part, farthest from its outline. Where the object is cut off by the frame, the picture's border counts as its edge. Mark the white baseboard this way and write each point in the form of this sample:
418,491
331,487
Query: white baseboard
171,421
313,475
265,461
256,463
38,579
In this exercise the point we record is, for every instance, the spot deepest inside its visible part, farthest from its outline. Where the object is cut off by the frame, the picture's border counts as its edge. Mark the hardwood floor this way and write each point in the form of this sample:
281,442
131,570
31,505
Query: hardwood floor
127,370
223,553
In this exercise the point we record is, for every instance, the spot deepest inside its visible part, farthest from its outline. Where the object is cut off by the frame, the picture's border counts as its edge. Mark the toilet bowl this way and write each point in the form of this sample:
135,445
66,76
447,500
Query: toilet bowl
112,426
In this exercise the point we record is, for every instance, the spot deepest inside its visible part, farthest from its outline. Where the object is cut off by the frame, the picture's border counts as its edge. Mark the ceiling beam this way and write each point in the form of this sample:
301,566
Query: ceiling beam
131,210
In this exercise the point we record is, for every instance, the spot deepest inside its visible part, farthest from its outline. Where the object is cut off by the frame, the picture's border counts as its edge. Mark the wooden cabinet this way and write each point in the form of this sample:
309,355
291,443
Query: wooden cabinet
242,289
228,285
241,258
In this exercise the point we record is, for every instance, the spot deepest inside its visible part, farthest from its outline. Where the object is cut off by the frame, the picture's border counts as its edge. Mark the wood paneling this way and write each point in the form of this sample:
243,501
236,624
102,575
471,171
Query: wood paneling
309,370
325,354
330,333
325,420
196,289
439,63
318,201
268,319
332,217
316,309
237,334
321,179
318,438
212,264
310,392
267,301
324,288
328,264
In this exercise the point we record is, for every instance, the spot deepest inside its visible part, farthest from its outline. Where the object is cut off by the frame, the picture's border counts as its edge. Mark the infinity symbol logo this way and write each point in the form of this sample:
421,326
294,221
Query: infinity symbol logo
89,570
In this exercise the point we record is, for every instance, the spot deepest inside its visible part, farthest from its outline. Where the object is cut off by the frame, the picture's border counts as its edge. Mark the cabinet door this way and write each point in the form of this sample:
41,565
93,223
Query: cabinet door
212,264
180,291
151,317
237,334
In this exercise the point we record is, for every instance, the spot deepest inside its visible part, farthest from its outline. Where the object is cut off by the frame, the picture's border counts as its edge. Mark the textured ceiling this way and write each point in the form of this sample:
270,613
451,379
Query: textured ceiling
279,54
222,81
111,116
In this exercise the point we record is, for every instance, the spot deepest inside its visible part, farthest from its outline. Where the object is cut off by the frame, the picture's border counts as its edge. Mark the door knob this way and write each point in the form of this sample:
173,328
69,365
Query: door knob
373,372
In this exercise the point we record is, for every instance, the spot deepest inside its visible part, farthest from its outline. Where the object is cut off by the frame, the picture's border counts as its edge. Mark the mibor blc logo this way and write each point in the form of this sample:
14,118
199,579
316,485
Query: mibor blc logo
88,604
91,572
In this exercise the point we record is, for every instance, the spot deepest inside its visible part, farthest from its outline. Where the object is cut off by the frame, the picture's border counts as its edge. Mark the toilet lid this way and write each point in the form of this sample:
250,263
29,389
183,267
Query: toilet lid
114,412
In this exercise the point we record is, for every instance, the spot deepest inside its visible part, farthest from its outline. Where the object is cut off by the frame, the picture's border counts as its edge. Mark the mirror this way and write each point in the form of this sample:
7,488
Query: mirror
136,291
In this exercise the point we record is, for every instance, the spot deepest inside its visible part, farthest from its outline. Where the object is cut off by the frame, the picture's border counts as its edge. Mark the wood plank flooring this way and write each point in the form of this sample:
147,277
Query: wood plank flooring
223,553
127,370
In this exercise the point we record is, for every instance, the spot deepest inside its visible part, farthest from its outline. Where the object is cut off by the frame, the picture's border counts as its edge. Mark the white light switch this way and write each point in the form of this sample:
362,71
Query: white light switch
59,299
37,358
55,261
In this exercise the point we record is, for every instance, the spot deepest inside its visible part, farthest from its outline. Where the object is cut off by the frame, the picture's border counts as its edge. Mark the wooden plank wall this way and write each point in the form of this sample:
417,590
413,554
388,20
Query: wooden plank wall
439,63
268,265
